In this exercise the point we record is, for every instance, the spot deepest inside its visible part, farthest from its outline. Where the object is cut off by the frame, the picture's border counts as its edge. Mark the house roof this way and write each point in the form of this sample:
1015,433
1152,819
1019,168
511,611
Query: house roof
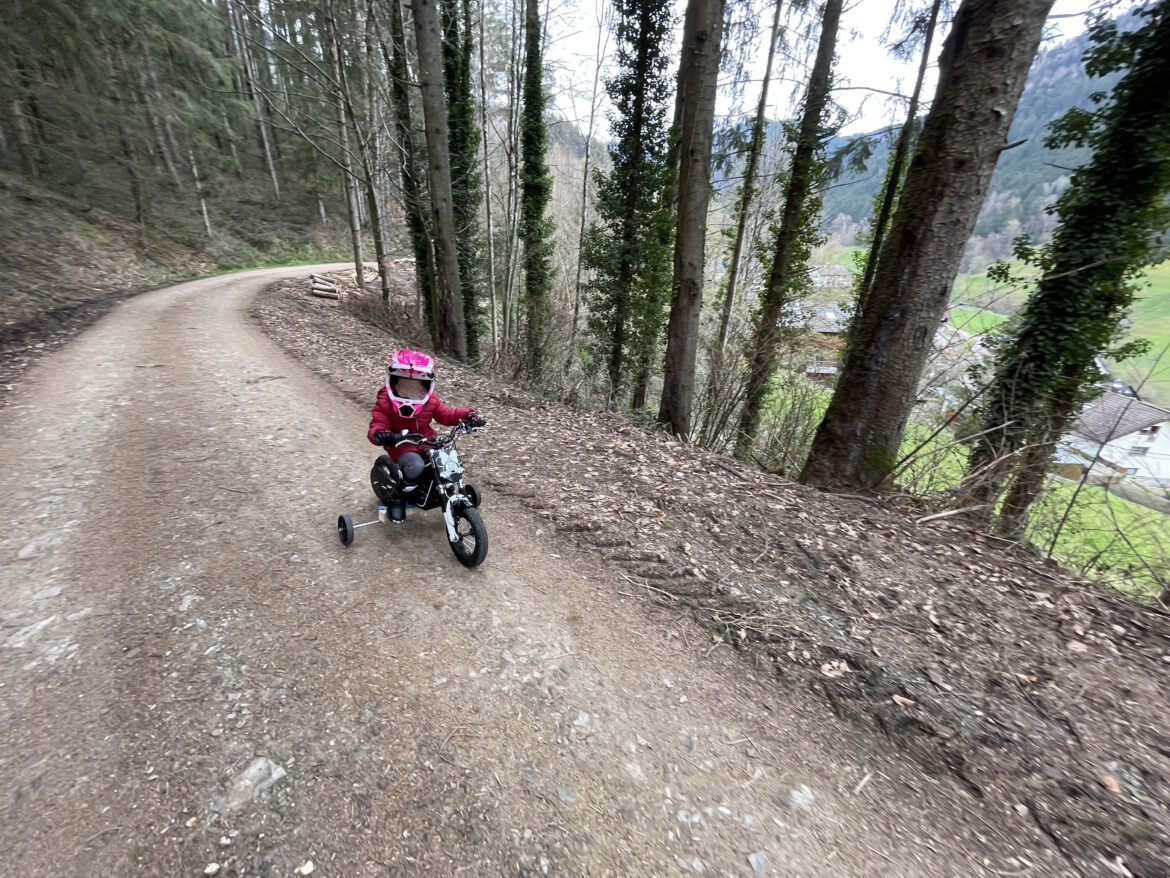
1066,455
1111,416
821,369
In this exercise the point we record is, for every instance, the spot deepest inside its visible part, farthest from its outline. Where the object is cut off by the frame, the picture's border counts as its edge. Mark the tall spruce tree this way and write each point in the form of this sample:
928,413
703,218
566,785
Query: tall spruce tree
535,230
628,247
466,189
1113,219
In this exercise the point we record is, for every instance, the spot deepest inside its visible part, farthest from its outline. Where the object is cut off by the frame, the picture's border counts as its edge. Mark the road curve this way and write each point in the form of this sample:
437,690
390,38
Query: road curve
197,679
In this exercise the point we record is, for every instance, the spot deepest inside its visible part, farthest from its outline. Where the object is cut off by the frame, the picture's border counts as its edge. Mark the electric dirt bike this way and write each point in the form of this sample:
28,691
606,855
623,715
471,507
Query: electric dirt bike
441,485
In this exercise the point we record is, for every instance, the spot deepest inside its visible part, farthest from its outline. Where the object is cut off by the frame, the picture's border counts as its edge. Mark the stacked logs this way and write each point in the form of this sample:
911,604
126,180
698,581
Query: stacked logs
324,287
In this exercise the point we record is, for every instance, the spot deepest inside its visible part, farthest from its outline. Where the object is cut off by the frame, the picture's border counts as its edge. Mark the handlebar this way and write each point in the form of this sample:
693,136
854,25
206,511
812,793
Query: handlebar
466,426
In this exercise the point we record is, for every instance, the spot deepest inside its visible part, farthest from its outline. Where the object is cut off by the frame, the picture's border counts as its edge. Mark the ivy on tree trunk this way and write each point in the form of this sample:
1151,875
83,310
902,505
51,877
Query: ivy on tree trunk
535,229
458,44
1113,217
452,333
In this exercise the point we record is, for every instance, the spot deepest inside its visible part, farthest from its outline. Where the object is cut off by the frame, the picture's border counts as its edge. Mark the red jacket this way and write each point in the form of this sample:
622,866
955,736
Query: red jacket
383,417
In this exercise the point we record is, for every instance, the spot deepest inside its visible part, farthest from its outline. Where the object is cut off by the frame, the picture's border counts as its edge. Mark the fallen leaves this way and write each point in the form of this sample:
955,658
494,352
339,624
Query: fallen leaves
976,641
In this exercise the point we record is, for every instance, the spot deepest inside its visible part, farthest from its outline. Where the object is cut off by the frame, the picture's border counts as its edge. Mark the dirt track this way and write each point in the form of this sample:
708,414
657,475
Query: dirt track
179,623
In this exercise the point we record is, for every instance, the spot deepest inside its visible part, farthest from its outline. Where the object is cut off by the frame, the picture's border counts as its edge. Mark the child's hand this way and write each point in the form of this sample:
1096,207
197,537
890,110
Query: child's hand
384,437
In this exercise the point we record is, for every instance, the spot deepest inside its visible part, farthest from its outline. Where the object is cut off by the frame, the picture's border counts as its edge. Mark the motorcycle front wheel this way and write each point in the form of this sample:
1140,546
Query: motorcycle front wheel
471,547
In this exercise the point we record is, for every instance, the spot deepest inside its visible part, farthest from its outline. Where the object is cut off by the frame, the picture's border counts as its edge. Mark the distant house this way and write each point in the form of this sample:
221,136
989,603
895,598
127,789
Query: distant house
832,276
1130,435
828,320
1068,464
822,373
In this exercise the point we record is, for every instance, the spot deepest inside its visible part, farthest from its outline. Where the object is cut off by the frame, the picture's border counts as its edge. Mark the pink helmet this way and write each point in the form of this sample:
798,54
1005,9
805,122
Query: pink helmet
408,363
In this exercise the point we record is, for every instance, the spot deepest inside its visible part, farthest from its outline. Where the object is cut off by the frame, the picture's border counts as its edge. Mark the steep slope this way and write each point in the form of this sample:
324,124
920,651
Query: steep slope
1005,678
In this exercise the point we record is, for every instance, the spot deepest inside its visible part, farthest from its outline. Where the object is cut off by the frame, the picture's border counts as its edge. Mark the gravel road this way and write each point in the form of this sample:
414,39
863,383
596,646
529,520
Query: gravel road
195,678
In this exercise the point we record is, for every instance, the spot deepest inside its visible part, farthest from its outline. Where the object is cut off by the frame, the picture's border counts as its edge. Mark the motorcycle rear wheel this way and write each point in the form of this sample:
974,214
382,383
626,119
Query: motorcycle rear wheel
472,546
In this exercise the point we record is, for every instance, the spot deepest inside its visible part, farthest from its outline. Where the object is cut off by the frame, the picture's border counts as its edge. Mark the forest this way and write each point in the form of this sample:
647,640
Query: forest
663,255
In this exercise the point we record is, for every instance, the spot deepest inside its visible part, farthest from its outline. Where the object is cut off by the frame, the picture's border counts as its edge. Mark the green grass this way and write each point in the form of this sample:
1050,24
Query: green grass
1151,320
1106,537
977,321
832,252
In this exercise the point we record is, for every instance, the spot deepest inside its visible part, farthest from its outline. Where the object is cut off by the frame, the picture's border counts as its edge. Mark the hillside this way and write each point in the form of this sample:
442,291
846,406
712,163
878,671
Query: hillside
65,260
971,663
1028,177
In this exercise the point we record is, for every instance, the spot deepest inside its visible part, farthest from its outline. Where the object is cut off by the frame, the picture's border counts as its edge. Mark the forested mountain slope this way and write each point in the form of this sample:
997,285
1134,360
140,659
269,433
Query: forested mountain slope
1028,177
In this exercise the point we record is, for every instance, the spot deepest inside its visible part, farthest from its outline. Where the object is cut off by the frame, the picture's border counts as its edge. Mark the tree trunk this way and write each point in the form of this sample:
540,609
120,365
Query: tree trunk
759,132
601,30
130,162
253,88
231,139
794,219
487,177
156,128
380,252
982,70
172,141
24,143
352,198
536,188
408,169
129,159
452,333
1031,471
367,152
199,193
897,165
458,48
697,81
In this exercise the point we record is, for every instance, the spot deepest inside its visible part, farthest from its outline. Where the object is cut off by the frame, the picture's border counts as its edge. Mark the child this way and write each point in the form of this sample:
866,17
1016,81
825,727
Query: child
407,402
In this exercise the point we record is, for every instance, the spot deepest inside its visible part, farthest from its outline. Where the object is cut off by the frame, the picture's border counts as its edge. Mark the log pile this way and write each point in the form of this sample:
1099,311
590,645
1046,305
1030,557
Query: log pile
342,284
324,287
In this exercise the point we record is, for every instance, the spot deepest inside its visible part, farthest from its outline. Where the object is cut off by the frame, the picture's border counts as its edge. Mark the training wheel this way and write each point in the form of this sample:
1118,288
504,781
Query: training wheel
345,529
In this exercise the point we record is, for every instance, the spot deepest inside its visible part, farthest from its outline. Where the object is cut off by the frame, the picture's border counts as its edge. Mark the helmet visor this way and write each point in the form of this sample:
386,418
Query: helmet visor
415,390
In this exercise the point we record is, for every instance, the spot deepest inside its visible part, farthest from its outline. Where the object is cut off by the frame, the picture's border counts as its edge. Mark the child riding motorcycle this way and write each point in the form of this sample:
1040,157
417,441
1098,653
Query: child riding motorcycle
407,402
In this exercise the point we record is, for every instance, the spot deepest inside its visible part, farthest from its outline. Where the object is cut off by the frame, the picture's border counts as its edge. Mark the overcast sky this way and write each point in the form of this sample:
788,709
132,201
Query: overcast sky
864,70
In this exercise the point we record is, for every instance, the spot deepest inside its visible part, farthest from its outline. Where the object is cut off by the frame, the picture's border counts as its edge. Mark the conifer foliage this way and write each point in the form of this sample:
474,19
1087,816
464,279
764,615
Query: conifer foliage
628,249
